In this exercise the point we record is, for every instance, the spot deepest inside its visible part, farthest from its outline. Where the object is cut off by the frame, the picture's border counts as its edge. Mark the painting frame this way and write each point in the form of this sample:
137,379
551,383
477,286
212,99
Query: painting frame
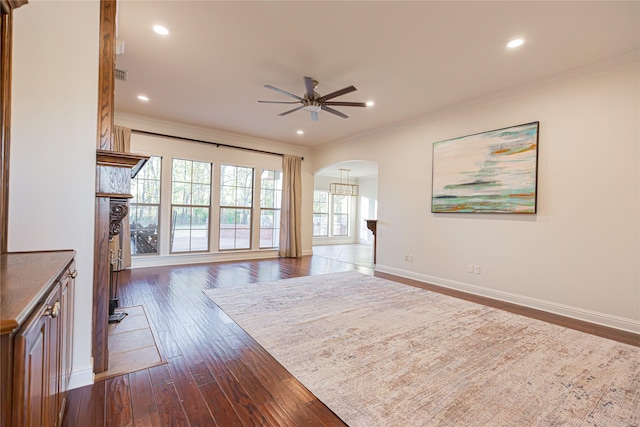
494,171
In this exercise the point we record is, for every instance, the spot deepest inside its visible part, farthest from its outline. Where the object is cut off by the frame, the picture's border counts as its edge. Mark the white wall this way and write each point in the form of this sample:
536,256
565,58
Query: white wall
53,143
579,256
367,207
170,148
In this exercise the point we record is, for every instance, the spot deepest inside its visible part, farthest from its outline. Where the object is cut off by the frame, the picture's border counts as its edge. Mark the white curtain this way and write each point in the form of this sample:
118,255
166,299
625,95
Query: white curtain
290,218
121,244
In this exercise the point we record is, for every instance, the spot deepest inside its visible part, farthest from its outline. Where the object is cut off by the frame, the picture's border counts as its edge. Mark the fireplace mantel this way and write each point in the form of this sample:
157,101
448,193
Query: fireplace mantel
113,190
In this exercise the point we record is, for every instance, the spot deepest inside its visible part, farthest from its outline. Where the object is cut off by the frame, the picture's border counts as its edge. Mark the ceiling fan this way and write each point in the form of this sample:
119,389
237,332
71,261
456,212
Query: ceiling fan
313,102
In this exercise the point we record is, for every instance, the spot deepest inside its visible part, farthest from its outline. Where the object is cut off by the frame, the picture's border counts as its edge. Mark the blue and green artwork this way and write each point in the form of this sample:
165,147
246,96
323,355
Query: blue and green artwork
492,172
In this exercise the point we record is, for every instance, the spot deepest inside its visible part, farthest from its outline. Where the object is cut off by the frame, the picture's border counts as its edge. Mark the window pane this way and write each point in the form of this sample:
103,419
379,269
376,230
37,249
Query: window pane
201,194
144,230
148,191
201,173
181,193
320,225
227,196
191,188
144,208
199,229
320,201
269,228
151,169
228,175
227,228
340,225
244,197
270,194
235,228
181,170
180,229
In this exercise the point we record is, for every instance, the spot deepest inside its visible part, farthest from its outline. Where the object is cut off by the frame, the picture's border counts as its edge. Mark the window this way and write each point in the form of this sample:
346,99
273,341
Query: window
320,213
190,205
270,200
236,202
341,215
144,208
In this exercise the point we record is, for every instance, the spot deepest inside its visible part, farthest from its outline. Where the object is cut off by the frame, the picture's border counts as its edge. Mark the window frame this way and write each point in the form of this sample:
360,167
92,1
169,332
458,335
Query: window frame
236,207
277,189
326,202
190,206
133,205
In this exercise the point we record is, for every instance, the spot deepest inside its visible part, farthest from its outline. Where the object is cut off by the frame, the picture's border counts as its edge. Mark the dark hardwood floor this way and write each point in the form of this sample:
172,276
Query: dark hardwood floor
216,374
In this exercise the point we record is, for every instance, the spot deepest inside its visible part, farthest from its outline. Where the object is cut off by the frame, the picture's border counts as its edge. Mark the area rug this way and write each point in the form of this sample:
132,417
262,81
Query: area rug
380,353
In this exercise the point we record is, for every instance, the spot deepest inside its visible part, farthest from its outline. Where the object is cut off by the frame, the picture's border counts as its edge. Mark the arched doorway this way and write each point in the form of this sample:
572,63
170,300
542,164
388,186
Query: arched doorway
339,221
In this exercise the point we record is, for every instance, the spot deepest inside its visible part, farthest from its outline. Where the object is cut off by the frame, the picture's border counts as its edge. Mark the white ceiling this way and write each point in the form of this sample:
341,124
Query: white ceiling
409,57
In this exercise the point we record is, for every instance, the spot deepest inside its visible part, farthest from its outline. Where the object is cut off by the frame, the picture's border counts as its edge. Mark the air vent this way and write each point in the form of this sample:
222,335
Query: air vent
120,75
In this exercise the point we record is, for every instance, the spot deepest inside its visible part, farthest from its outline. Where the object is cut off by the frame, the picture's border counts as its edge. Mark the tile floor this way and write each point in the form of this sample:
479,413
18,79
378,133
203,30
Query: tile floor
358,254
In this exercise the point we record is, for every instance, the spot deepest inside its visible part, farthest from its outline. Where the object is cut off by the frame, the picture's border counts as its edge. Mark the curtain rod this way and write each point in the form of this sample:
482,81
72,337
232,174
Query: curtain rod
217,144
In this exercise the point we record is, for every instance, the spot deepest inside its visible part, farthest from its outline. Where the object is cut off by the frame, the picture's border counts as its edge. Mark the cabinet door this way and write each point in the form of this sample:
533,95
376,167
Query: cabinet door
67,289
32,394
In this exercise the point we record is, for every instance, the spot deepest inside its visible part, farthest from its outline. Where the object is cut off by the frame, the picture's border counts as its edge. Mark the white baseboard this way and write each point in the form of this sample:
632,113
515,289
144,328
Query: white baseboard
181,259
616,322
81,377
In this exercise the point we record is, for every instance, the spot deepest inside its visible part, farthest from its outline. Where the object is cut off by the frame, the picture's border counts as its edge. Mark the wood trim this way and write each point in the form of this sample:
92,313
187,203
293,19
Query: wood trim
104,142
106,79
115,158
6,42
99,343
5,125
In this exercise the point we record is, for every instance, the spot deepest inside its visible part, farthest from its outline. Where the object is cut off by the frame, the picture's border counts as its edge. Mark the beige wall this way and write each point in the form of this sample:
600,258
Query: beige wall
579,255
52,182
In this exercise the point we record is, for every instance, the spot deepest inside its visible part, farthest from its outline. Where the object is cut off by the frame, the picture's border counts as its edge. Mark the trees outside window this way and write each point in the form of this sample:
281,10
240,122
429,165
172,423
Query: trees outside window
144,208
190,205
236,204
340,215
270,201
320,213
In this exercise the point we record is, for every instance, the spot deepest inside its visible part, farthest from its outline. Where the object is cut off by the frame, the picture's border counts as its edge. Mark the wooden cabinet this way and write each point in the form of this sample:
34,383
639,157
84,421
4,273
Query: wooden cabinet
36,343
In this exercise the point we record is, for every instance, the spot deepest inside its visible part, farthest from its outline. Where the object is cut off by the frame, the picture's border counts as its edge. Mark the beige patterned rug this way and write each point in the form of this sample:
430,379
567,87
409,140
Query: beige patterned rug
380,353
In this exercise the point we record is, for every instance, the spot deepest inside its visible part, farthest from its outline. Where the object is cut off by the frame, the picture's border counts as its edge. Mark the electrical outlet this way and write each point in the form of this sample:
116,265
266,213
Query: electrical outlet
476,269
410,258
469,268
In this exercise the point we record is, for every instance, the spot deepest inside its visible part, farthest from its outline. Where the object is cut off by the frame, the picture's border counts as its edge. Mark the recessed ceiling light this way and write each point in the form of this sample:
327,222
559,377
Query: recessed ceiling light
143,98
160,30
300,132
515,43
370,103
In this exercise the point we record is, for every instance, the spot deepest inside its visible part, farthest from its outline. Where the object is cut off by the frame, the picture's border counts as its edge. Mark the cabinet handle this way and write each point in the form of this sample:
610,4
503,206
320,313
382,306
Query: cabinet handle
52,312
73,274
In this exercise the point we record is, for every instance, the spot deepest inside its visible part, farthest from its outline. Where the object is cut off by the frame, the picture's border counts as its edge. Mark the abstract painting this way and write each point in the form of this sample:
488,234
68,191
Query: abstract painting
491,172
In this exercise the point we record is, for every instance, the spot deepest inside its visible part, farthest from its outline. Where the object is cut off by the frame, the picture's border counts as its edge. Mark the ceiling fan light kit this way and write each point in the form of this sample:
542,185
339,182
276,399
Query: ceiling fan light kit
313,102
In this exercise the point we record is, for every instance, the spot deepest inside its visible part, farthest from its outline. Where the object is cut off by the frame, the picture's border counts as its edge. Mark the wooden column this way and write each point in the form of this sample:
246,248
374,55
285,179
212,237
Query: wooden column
113,186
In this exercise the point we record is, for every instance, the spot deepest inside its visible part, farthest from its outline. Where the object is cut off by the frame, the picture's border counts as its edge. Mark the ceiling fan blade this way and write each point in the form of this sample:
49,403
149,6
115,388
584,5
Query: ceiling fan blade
280,102
332,111
284,92
314,116
347,104
308,83
337,93
291,111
